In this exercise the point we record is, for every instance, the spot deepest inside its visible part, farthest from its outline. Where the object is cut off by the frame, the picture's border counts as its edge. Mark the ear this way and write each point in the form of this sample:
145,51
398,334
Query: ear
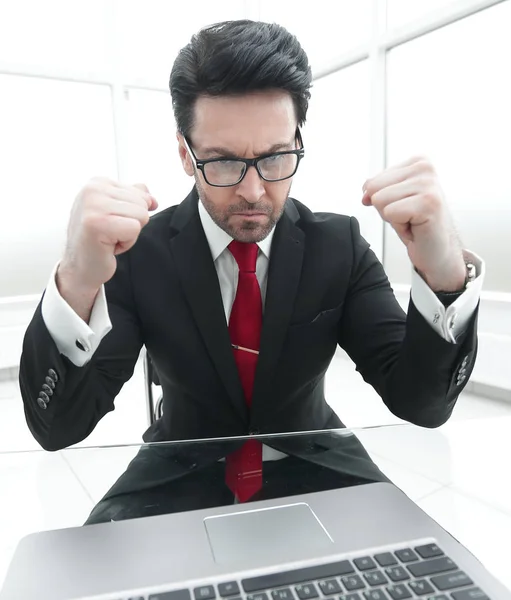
186,159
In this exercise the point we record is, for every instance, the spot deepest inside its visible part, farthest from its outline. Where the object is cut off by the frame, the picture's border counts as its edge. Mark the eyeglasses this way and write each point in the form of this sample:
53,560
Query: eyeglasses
226,172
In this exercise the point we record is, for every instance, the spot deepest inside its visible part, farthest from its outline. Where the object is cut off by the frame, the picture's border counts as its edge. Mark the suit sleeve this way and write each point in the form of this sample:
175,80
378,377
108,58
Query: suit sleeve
418,374
81,395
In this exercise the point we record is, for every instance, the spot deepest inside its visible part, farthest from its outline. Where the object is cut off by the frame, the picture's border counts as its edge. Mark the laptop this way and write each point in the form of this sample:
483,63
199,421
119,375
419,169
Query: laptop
368,542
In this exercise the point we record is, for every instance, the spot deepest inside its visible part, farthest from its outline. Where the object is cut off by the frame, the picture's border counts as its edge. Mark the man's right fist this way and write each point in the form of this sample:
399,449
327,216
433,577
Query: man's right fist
106,220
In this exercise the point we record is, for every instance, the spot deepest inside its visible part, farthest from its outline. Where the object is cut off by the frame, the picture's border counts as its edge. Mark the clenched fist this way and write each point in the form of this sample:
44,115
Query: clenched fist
106,220
409,197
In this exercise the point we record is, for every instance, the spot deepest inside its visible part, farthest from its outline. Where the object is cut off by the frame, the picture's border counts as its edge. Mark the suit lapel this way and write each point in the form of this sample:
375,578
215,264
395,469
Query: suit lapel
199,279
283,279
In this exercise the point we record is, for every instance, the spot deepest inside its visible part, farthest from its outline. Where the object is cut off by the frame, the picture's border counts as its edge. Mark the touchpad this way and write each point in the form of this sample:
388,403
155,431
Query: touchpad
269,533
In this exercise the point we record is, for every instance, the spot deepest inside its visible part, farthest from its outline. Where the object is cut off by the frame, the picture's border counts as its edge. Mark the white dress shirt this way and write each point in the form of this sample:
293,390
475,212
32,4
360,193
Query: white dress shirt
67,328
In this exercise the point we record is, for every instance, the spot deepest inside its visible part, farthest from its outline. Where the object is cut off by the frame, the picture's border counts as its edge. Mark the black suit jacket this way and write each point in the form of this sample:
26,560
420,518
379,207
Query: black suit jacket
325,287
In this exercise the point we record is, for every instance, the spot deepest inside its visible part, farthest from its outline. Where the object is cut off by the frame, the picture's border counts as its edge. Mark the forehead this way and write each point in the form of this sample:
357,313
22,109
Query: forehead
245,122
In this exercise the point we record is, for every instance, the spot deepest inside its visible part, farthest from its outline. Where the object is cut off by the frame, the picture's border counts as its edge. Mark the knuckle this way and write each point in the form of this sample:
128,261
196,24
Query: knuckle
144,219
92,221
424,165
431,198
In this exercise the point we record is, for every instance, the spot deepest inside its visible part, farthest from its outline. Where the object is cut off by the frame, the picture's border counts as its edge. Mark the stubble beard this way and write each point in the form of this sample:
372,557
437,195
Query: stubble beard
248,231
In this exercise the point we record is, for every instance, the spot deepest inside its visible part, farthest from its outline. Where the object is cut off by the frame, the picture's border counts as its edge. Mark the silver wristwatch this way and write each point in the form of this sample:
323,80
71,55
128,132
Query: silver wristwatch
471,272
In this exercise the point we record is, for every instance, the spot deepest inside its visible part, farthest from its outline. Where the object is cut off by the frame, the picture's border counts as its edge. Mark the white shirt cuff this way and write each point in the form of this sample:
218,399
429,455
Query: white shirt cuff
449,322
68,330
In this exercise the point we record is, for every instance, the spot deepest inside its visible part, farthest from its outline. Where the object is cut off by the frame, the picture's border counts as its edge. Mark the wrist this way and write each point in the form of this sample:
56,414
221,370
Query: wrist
68,278
451,281
78,295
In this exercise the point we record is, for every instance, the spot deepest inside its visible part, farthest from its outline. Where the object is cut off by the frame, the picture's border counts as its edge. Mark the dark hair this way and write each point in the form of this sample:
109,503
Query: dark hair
237,57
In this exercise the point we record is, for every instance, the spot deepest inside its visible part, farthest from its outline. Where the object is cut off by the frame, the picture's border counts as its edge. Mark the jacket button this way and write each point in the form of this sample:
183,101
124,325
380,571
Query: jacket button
53,374
48,389
44,396
50,382
42,403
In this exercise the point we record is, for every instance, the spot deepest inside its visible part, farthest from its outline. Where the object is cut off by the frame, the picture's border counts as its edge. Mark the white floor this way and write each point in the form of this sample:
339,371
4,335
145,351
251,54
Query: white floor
441,469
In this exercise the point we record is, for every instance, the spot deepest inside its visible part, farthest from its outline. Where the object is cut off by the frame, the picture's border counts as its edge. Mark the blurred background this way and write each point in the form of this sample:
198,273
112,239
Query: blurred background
84,92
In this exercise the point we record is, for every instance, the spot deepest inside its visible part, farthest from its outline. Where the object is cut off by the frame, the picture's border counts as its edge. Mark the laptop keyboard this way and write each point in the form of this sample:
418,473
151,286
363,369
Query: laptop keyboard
416,572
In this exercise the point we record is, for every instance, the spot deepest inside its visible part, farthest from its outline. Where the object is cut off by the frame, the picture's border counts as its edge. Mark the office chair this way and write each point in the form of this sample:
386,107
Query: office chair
154,412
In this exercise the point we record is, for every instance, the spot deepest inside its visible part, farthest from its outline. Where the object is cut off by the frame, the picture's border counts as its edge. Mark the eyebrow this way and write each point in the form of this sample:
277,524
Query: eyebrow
221,151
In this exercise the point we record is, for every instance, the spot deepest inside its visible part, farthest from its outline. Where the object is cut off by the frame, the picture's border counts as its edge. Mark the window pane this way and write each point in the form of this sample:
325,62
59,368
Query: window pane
55,136
55,34
449,98
149,151
400,12
336,141
153,31
324,28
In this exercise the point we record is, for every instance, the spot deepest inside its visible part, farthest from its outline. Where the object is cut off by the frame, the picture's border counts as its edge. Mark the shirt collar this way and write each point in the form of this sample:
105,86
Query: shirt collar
218,239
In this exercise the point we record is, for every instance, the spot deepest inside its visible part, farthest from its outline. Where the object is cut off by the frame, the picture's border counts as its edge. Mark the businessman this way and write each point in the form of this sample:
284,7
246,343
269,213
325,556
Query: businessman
240,293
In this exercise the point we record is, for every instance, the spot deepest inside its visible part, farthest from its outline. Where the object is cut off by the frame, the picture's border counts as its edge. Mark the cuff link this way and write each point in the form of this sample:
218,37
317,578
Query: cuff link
83,345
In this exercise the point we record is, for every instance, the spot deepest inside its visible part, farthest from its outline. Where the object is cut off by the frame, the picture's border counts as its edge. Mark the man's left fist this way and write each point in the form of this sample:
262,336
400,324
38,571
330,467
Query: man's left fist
409,197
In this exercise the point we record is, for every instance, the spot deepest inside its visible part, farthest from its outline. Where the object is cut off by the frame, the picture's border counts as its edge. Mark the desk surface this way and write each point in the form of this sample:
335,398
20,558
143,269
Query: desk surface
459,474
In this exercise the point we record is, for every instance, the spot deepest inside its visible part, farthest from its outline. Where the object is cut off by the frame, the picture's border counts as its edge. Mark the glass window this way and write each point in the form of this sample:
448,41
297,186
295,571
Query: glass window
325,29
449,97
55,34
336,140
55,136
400,12
151,33
150,151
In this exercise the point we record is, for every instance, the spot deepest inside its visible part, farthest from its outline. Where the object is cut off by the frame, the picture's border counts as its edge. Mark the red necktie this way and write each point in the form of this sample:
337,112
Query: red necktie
244,466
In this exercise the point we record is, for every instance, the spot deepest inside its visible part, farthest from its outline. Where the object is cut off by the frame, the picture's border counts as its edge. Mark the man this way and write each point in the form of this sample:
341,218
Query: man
240,293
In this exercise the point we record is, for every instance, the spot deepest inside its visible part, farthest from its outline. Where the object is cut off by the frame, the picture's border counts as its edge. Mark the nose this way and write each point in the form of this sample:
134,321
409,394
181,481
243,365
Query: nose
252,186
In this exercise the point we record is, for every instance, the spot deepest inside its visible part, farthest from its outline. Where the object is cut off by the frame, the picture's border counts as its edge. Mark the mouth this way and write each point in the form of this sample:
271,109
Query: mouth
250,214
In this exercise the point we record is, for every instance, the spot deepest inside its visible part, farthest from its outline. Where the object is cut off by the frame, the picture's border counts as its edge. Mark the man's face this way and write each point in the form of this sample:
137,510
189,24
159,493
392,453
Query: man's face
243,127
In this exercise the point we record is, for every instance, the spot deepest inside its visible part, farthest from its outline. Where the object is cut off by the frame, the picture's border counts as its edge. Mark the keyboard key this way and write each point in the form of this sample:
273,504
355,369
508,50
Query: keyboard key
206,592
431,567
329,587
353,582
421,587
230,588
375,595
365,563
258,596
275,580
306,591
284,594
175,595
438,597
385,559
398,592
396,574
428,551
353,596
452,580
471,594
375,578
406,555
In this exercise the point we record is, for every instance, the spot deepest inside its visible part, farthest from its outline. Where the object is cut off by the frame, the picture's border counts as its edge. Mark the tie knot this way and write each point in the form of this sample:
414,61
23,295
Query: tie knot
245,255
